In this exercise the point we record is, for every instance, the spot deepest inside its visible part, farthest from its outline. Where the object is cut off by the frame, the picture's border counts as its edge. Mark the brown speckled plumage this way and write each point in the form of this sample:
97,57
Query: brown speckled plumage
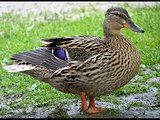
109,68
96,65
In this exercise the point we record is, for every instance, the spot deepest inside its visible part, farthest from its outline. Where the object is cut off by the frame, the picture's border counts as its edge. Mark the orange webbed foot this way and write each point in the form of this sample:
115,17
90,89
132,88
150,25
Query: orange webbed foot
94,109
91,108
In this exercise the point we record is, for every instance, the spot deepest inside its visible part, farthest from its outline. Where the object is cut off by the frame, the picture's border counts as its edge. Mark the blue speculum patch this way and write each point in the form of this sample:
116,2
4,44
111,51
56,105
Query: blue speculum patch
60,53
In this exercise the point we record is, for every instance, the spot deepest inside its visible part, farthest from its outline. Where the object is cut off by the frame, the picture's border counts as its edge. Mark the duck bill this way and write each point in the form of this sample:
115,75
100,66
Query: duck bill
135,27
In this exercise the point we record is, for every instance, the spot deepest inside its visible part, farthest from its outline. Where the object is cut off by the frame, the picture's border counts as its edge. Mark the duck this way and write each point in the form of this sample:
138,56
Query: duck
89,66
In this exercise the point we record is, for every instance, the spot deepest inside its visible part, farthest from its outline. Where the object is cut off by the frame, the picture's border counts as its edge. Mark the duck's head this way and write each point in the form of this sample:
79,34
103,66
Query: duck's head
117,18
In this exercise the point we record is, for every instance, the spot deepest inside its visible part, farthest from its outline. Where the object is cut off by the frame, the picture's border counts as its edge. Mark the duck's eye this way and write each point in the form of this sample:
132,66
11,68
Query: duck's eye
117,14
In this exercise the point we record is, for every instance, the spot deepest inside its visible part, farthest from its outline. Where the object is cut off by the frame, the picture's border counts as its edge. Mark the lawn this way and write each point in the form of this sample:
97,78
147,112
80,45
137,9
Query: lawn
20,33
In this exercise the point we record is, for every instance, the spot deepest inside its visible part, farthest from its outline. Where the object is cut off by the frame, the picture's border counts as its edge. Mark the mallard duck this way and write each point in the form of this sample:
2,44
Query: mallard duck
85,65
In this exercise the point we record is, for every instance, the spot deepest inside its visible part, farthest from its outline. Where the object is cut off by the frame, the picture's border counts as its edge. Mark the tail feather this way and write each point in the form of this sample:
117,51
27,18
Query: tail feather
16,67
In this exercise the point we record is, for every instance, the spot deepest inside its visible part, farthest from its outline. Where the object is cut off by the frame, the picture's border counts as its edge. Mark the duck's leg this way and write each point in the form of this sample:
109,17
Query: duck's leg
83,101
92,108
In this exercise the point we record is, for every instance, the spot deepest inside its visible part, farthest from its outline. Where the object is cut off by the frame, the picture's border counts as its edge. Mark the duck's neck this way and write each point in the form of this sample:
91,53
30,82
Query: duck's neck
110,30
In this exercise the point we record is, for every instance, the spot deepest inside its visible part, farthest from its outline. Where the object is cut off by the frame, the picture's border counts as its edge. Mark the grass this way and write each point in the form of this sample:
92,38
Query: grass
133,103
19,33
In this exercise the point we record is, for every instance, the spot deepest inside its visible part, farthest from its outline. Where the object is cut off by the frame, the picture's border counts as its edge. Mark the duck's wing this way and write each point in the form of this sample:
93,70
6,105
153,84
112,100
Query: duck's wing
57,52
39,56
78,48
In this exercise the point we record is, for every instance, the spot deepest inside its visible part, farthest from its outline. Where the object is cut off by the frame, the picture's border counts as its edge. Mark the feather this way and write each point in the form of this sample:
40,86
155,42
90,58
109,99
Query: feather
43,56
16,67
60,53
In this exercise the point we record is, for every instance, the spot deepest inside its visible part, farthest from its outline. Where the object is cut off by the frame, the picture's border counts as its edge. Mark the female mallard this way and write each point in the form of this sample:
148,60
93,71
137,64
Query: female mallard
86,65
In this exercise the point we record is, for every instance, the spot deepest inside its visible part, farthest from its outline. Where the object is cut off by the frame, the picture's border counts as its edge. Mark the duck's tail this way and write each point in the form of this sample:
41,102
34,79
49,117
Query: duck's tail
17,67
